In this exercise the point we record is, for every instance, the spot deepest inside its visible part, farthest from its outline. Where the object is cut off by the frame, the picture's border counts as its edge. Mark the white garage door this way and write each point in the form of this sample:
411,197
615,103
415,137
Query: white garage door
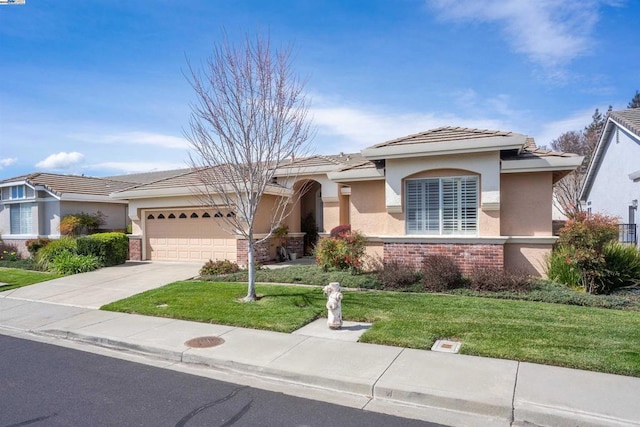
187,235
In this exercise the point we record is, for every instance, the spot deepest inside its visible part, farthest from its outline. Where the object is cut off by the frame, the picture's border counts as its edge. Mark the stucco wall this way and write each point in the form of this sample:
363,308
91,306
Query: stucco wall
526,204
115,214
612,191
527,258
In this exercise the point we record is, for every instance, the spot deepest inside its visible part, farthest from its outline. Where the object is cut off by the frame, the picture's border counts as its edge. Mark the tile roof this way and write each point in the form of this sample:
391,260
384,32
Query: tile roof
338,160
628,118
76,184
443,134
147,177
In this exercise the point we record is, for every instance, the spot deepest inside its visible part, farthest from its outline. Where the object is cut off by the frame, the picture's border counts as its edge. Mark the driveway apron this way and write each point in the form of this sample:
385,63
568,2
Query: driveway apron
100,287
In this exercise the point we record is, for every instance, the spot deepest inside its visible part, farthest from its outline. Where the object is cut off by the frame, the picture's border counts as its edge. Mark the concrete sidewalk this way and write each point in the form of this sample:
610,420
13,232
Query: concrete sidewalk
450,389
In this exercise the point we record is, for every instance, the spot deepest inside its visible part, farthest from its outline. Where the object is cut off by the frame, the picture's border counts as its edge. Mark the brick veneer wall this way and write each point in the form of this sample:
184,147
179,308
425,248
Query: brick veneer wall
466,255
263,249
135,248
262,252
295,245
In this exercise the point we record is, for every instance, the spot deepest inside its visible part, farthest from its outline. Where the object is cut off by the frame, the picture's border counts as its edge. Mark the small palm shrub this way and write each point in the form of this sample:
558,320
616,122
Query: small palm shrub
214,268
69,263
563,268
622,266
441,273
46,255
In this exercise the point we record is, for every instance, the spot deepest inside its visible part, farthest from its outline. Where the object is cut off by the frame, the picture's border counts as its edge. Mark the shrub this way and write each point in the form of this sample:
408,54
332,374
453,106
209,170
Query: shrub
440,273
46,255
69,263
340,231
622,266
497,280
213,268
395,275
562,267
110,248
81,223
587,236
34,245
585,231
342,253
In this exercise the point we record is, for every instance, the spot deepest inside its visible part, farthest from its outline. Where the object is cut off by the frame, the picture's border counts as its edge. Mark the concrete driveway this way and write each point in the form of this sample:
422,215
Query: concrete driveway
100,287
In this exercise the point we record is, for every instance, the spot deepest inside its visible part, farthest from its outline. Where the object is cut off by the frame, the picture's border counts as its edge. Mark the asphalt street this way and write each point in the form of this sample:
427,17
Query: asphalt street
47,385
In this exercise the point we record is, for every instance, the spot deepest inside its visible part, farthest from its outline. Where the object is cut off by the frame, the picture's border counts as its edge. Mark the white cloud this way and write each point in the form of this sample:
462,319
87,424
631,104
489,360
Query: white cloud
552,130
61,161
135,137
351,128
137,167
551,33
7,162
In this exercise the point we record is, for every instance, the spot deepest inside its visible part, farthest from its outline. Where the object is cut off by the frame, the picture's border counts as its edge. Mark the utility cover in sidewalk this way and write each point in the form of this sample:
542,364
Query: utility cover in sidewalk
446,346
204,342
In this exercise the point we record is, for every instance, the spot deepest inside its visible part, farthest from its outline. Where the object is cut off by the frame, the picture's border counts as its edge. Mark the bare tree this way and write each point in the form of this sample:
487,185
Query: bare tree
251,115
567,190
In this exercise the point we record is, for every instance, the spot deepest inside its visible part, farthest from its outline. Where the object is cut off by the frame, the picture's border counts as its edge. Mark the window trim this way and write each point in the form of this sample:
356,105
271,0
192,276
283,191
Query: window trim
25,229
441,222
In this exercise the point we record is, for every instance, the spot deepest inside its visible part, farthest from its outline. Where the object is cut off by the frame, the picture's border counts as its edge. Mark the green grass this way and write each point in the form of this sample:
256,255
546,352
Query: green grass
17,278
579,337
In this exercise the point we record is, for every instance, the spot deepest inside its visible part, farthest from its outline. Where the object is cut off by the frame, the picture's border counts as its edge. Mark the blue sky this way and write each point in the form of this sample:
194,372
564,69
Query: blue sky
97,87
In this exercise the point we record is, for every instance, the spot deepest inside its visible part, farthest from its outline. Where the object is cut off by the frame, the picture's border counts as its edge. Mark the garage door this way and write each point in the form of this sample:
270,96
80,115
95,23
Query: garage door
187,235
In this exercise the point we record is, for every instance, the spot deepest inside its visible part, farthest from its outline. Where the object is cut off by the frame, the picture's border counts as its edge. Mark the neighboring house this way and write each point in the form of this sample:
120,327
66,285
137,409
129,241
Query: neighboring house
612,184
32,205
483,197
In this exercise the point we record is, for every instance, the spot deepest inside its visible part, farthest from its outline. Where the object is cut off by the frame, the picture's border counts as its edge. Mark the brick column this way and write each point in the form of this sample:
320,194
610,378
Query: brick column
135,248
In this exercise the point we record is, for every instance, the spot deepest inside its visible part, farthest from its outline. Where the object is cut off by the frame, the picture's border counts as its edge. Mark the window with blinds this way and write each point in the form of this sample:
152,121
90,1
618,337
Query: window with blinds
442,206
21,219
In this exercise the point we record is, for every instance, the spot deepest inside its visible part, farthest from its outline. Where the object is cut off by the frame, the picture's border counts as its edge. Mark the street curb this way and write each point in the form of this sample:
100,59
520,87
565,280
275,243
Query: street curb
416,402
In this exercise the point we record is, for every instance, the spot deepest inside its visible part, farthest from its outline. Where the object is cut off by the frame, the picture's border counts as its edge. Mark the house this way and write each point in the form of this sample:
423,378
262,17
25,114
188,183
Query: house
612,183
483,197
32,205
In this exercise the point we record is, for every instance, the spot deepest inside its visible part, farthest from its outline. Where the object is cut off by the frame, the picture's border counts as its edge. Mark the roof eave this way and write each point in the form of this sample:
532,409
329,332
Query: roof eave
368,174
541,164
77,197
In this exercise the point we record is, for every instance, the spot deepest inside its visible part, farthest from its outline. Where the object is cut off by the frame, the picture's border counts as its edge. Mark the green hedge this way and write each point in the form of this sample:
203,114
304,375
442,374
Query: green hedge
110,248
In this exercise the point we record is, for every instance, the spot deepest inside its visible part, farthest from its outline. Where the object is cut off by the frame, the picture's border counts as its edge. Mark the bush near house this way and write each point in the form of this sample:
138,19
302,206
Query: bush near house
46,255
34,245
344,252
589,257
214,268
81,223
441,273
109,248
69,263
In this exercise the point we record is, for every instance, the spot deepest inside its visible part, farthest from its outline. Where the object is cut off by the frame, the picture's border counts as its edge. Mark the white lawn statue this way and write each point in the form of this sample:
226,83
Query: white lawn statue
334,305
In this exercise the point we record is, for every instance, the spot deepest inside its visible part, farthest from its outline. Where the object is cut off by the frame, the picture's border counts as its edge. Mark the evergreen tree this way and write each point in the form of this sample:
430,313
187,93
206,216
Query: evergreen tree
635,101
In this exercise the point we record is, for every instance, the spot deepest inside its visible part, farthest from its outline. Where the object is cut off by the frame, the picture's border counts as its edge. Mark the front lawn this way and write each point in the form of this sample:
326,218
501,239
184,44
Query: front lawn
579,337
16,278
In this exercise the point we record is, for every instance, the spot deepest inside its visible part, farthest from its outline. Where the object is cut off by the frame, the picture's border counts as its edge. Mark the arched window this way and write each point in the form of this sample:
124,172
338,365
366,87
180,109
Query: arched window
231,214
151,217
161,216
194,215
171,216
218,215
182,215
206,215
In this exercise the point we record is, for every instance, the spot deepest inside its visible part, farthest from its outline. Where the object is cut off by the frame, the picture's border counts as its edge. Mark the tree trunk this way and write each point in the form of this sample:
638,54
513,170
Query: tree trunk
251,268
